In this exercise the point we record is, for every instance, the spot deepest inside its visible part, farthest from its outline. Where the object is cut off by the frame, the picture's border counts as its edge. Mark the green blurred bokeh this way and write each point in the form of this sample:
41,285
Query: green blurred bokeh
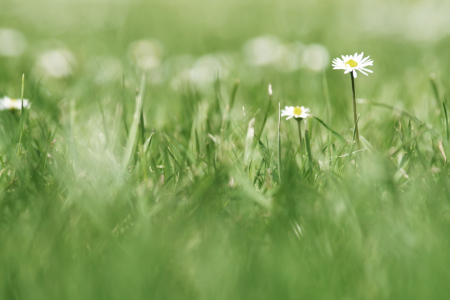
72,227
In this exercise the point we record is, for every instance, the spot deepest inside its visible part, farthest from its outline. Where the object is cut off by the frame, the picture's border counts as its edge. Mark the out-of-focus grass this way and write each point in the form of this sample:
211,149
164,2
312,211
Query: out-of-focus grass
195,214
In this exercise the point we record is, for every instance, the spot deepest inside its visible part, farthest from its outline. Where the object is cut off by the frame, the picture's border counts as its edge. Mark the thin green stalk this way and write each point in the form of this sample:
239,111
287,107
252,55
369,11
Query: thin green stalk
124,114
299,123
435,89
355,115
234,93
279,142
134,127
22,116
231,105
258,137
255,142
142,125
105,128
326,92
249,142
446,121
22,92
308,145
219,98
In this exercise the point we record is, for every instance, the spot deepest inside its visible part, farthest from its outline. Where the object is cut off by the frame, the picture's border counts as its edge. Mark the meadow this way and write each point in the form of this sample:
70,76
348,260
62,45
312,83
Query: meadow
152,162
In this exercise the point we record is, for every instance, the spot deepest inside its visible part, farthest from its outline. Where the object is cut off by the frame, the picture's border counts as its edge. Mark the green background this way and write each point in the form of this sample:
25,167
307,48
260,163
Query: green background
197,208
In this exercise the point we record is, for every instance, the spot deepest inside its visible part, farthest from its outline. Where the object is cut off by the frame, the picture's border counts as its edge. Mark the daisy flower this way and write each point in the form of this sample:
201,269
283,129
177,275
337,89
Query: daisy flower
7,103
353,63
295,112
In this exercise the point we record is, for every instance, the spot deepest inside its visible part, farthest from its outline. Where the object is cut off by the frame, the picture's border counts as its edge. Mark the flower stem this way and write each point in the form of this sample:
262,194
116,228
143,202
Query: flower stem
308,145
355,116
279,142
299,122
22,117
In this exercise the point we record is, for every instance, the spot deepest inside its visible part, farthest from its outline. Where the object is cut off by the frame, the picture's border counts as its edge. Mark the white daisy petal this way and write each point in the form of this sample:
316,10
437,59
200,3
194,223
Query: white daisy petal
365,59
363,72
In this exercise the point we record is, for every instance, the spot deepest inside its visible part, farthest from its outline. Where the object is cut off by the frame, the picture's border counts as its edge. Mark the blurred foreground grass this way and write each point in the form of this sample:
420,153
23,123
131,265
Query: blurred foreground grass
106,199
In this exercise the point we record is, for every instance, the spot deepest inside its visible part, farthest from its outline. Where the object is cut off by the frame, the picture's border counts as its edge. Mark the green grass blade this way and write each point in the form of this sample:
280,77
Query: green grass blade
334,133
308,146
367,145
249,142
134,127
435,89
22,117
403,112
258,137
124,113
226,120
446,121
105,128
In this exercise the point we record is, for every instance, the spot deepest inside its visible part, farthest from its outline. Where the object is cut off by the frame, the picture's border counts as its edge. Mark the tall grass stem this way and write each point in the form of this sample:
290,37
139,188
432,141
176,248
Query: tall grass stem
308,145
355,115
134,127
265,118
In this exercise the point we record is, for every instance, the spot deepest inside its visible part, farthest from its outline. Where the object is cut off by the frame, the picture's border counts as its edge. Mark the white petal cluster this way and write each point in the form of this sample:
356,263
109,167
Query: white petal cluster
295,112
353,63
7,103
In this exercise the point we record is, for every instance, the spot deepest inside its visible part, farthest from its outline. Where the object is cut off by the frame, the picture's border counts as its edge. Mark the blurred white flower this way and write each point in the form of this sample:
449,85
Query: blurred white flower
145,54
353,63
7,103
291,57
316,57
12,42
105,69
295,112
178,63
56,63
205,70
263,50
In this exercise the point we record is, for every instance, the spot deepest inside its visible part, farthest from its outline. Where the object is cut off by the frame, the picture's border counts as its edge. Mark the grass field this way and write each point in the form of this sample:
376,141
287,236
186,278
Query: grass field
152,163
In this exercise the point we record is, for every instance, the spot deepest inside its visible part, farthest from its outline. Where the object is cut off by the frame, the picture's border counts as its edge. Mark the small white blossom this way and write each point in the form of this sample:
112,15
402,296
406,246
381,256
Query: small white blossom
7,103
295,112
353,63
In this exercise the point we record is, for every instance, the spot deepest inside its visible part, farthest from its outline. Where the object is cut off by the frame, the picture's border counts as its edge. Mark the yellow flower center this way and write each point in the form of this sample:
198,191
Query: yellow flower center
297,111
12,104
351,63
